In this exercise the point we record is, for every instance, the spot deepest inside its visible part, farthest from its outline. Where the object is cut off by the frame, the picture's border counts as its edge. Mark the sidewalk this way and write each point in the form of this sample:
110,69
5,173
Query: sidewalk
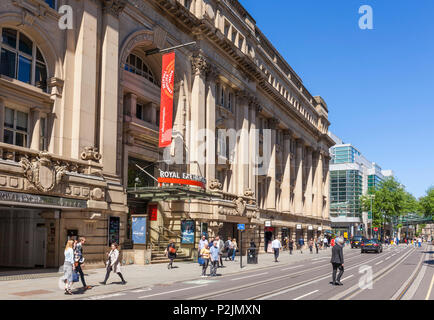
141,276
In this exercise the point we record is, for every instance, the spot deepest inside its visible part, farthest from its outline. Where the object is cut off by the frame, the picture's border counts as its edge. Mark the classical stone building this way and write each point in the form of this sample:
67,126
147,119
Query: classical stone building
79,115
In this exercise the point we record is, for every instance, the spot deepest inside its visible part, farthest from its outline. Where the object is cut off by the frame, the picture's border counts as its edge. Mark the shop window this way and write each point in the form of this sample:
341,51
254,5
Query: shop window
15,127
18,52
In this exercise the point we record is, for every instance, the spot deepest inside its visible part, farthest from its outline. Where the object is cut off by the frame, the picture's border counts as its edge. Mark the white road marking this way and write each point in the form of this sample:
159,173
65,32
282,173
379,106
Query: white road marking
166,292
253,275
347,277
387,258
379,262
320,258
430,288
107,296
305,295
293,267
140,290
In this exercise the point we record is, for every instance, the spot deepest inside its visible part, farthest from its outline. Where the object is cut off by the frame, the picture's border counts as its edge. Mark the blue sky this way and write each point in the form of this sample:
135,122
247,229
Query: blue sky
378,84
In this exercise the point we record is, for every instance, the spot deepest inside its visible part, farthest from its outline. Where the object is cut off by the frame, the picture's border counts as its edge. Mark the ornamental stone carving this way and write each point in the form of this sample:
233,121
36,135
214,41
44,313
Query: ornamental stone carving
240,208
90,153
214,184
249,193
114,7
97,194
199,65
42,173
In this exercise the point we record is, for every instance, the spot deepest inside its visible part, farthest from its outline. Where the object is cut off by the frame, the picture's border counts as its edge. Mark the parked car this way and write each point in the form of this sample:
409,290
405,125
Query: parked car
356,241
371,245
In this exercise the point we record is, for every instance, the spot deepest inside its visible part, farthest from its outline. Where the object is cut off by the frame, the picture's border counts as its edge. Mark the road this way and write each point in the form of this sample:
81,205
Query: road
398,273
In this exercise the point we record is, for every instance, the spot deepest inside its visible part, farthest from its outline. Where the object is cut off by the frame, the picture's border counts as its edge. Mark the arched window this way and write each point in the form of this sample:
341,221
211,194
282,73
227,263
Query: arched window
21,59
136,65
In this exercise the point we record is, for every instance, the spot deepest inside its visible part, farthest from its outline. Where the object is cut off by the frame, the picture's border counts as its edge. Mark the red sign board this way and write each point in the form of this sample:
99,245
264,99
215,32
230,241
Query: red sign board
166,103
153,212
375,229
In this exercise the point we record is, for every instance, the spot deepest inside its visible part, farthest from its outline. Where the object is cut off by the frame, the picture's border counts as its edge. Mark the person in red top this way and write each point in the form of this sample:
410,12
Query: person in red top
332,242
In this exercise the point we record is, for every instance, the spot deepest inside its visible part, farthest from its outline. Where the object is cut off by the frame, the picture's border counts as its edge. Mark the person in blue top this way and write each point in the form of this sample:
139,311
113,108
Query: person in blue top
214,258
301,243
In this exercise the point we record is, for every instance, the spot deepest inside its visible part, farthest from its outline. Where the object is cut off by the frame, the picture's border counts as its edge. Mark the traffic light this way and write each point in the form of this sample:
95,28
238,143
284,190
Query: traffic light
361,227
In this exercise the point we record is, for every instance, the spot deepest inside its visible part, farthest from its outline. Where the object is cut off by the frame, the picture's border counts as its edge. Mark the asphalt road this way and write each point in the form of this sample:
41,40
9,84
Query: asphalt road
398,273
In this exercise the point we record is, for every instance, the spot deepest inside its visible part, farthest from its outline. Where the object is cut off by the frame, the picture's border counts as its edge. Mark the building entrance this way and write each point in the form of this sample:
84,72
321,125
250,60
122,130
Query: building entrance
23,239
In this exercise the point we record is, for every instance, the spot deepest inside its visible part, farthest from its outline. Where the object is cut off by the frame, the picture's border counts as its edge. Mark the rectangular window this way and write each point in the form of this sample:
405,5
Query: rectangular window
140,111
51,3
7,63
24,69
43,141
16,127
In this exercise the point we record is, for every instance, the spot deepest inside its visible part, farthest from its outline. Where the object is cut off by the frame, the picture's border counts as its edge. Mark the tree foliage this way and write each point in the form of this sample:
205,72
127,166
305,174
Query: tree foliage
426,203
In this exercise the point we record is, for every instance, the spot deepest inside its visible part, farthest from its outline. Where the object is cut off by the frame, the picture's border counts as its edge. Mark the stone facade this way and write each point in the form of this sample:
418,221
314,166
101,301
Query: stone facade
102,110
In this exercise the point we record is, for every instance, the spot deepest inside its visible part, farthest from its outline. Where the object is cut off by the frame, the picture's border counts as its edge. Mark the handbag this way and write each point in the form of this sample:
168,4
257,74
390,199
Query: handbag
75,276
201,261
172,250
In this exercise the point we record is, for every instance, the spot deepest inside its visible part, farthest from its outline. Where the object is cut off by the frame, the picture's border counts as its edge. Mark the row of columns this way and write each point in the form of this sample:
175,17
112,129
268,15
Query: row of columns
305,197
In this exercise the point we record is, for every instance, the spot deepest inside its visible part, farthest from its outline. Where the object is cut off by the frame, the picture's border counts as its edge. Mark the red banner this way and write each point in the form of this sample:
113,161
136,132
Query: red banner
181,181
166,103
153,212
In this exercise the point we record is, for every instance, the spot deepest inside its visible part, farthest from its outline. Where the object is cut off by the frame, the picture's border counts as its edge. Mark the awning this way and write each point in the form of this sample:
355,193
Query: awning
171,193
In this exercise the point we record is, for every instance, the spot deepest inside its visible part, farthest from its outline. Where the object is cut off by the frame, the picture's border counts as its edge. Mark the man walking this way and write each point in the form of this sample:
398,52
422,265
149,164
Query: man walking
227,250
337,261
276,245
214,257
220,246
301,243
79,260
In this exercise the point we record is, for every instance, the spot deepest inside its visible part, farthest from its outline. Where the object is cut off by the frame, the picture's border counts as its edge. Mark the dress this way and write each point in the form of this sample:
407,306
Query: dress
67,266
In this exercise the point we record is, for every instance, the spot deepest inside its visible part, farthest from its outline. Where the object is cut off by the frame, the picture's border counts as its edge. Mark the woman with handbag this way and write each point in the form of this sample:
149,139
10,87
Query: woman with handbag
171,253
204,255
234,248
68,266
113,263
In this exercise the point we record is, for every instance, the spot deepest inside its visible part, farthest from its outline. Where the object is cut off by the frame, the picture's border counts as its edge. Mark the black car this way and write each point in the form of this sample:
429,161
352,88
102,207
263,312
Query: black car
356,241
371,245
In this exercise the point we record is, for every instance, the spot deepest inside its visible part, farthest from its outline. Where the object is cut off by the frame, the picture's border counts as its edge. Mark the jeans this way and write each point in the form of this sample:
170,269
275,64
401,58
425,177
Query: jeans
290,250
78,269
234,251
276,253
214,267
337,266
205,266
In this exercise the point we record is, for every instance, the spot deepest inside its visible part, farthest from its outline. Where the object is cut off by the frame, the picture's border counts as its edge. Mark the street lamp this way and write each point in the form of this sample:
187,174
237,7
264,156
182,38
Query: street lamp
372,196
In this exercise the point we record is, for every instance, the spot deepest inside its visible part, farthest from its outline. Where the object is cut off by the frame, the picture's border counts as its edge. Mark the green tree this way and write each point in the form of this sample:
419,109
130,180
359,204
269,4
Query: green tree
426,203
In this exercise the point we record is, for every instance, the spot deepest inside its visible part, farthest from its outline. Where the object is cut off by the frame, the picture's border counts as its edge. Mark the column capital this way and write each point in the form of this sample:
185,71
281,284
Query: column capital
199,65
113,7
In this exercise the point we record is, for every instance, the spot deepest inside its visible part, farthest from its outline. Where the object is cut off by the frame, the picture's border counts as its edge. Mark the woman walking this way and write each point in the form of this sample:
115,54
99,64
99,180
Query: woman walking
290,245
113,263
171,253
204,253
311,245
68,266
234,248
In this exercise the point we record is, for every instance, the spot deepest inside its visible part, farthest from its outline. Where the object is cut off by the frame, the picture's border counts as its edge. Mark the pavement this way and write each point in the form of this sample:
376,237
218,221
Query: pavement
47,285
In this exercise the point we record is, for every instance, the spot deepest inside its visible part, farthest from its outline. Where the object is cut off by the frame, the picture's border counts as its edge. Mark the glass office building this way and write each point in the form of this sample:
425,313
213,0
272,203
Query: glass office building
351,176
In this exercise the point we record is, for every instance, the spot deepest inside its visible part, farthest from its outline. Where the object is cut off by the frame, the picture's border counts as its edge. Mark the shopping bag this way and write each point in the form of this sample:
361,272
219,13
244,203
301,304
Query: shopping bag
201,261
75,276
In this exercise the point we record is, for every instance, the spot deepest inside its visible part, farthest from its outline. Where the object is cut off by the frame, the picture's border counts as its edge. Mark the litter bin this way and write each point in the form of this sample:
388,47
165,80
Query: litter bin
252,256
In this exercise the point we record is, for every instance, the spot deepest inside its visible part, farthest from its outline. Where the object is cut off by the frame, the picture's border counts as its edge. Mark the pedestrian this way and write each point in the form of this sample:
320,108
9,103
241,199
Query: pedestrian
221,246
285,244
202,243
276,245
252,243
419,240
325,241
79,260
311,245
227,250
301,243
68,266
114,263
171,253
214,257
234,248
290,245
317,244
204,254
337,262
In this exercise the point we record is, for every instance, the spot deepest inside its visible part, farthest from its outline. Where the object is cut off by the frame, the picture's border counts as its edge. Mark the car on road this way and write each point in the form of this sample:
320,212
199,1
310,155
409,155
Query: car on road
371,245
356,241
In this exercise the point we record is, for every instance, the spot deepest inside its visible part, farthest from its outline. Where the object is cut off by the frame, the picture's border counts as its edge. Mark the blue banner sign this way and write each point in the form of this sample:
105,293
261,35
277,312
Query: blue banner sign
241,226
139,230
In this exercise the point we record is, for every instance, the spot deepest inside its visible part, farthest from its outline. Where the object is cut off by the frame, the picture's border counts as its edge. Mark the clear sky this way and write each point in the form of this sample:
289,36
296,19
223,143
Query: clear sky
378,84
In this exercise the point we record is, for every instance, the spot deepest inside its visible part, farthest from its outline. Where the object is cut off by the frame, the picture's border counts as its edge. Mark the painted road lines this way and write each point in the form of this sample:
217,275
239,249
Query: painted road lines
320,258
107,296
347,277
292,267
387,258
166,292
253,275
305,295
430,288
140,290
379,262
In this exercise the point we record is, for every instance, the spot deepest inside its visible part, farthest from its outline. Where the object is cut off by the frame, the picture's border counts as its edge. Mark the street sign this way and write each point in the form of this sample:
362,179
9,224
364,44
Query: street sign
346,235
241,226
375,229
268,223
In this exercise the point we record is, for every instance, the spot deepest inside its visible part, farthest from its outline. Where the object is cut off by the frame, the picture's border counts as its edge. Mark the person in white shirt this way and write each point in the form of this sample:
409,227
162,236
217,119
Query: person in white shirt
325,242
276,245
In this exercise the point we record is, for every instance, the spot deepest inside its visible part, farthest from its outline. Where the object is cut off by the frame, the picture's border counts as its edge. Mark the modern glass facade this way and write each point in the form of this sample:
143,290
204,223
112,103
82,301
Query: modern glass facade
345,193
345,154
374,181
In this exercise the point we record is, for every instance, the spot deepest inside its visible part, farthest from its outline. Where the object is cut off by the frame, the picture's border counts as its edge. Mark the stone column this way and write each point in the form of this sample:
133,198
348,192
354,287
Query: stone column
308,192
211,124
242,145
85,81
319,186
2,118
298,194
326,213
286,180
271,176
197,115
130,104
35,116
253,145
